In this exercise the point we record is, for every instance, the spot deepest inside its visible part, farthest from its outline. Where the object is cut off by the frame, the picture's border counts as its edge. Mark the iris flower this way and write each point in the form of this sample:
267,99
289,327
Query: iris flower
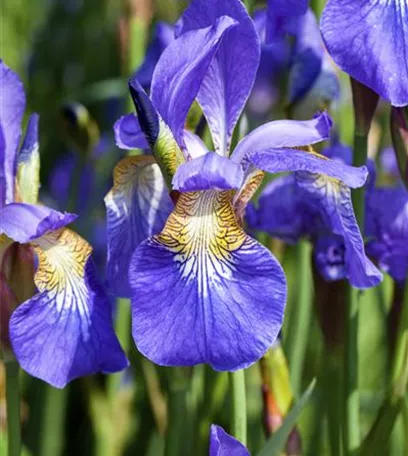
304,204
387,227
223,444
368,39
65,330
202,290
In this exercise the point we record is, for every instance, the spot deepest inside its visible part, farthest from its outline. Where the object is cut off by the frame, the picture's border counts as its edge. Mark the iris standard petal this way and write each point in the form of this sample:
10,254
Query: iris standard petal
137,207
25,222
163,35
129,134
368,39
223,444
231,74
66,330
196,289
179,73
307,56
284,133
209,171
282,160
12,105
333,201
28,164
194,145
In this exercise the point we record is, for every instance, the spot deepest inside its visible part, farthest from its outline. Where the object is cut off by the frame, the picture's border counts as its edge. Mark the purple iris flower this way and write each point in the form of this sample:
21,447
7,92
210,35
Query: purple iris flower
368,39
306,204
311,77
387,227
195,286
223,444
65,330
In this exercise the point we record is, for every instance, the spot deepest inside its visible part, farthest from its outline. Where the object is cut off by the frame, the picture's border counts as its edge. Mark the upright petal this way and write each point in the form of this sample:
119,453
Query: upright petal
223,444
181,69
333,201
209,171
196,289
66,330
163,35
231,74
284,133
307,56
368,39
137,207
25,222
12,105
129,134
28,164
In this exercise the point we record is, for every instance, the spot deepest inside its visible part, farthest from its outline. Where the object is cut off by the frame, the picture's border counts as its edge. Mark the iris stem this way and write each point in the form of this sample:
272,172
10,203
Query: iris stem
55,404
377,439
300,324
122,329
239,412
13,408
351,429
177,411
333,398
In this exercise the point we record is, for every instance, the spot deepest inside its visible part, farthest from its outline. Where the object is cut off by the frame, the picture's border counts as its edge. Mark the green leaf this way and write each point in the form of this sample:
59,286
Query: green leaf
277,442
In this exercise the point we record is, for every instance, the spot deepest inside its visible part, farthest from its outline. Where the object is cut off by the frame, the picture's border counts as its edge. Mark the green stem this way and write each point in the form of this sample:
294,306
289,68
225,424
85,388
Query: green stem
300,324
379,434
177,411
13,408
122,329
239,412
334,405
52,440
351,428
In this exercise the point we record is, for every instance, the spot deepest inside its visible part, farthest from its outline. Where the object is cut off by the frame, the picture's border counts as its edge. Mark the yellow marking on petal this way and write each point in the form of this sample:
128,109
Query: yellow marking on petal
62,256
311,151
128,168
202,231
247,191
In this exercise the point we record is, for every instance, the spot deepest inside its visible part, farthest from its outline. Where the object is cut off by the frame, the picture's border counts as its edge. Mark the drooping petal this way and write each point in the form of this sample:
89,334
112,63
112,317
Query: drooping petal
163,35
387,226
129,134
28,164
223,444
181,69
368,39
137,207
282,212
25,222
284,133
231,74
282,160
12,105
333,200
66,330
209,171
196,286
